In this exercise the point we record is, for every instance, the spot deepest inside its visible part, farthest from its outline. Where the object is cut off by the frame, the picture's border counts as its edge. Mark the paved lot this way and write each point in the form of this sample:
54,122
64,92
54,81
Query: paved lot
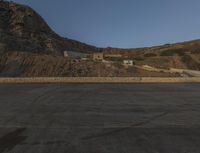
106,118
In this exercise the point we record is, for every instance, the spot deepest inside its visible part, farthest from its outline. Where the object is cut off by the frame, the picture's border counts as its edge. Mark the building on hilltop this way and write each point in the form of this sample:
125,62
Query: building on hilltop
128,62
65,54
113,55
97,56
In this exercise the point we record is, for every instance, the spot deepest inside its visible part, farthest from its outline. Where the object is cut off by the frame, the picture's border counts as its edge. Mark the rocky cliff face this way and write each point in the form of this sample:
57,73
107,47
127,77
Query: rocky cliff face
22,29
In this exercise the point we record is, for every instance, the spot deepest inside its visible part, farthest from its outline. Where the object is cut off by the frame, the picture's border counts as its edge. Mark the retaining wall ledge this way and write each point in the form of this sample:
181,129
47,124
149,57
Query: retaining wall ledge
101,80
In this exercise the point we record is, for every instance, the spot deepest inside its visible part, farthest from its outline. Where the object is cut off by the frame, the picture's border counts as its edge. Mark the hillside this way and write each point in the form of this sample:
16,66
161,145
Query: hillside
29,47
23,64
185,55
22,29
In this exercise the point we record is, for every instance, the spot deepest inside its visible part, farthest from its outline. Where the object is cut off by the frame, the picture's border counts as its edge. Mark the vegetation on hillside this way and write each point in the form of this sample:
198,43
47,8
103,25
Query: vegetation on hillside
172,52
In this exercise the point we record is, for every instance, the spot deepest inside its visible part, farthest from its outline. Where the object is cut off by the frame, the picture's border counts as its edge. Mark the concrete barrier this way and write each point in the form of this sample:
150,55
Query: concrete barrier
102,80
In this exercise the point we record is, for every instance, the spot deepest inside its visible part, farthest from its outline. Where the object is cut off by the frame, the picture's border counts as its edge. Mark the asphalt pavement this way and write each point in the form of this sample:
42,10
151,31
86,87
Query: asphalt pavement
99,118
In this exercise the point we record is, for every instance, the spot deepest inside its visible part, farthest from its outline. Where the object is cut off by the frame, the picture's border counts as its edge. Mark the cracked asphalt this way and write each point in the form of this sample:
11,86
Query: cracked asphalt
99,118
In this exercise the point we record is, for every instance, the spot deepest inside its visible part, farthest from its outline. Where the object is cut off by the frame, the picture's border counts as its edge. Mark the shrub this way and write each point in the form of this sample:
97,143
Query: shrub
195,52
138,58
150,55
114,58
172,52
191,64
166,53
195,49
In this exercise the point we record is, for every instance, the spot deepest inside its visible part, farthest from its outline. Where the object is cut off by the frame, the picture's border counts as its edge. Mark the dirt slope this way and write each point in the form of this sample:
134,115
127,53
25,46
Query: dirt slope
23,64
185,55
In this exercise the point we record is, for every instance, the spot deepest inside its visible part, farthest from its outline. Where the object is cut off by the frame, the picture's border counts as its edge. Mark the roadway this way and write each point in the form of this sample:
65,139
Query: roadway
99,118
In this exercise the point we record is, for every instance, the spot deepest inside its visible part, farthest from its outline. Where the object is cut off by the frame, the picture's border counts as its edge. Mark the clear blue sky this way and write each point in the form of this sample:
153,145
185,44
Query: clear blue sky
122,23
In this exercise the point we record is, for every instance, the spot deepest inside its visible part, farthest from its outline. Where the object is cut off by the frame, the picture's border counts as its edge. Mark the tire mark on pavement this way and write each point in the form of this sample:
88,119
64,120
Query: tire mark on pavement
34,103
97,135
12,139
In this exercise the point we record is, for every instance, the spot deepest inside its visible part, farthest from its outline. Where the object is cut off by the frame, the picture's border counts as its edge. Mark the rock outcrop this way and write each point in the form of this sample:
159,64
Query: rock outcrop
22,29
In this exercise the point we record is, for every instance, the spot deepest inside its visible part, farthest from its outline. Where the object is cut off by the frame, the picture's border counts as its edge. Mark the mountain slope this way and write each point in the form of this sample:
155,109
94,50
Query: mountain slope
28,47
23,64
22,29
184,55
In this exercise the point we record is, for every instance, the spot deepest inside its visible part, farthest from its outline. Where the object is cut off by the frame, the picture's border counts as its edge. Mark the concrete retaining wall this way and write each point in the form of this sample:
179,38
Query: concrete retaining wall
102,80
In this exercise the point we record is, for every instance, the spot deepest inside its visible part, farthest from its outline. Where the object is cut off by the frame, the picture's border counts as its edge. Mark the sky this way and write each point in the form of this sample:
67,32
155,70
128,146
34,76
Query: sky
121,23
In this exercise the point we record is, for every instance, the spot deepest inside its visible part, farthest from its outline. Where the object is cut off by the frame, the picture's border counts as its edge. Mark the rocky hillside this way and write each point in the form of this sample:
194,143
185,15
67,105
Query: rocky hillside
22,29
28,47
